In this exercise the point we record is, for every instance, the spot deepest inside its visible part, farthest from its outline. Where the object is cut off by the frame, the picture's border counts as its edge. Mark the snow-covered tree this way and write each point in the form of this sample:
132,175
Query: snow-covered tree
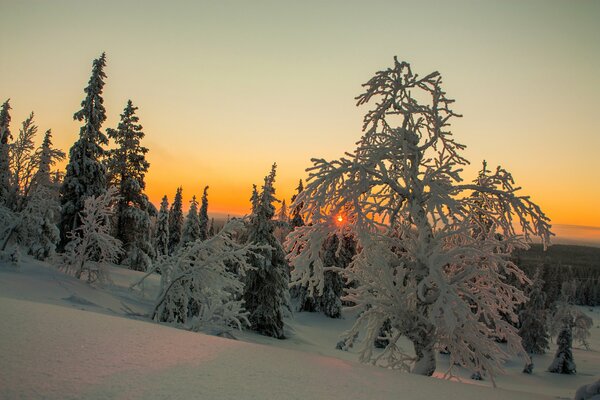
161,238
211,228
37,229
23,163
48,156
563,362
282,227
5,137
567,314
254,199
203,215
176,221
338,253
85,175
411,215
199,290
90,245
282,214
126,169
533,319
191,226
266,291
588,392
296,215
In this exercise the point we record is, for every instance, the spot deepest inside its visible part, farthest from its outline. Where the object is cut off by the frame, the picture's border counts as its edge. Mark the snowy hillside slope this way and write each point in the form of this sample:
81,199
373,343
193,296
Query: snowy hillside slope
63,339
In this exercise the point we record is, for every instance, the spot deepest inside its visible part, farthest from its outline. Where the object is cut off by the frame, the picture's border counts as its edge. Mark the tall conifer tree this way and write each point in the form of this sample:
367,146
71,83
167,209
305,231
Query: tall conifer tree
191,227
161,238
203,215
5,136
85,175
176,221
266,290
533,318
127,167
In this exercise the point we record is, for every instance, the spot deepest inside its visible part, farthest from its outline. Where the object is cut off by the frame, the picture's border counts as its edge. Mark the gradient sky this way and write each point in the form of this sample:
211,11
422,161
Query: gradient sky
226,88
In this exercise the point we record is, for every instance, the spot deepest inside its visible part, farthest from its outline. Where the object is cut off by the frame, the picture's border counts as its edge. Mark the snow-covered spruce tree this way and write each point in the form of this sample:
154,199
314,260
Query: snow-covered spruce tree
161,238
211,228
126,170
296,215
199,290
5,137
282,227
336,254
85,175
266,290
203,215
37,230
176,221
571,317
48,157
418,265
533,319
563,362
191,226
90,245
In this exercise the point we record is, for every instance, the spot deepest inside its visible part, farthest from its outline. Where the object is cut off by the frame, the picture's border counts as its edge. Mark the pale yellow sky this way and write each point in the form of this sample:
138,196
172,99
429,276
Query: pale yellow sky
224,89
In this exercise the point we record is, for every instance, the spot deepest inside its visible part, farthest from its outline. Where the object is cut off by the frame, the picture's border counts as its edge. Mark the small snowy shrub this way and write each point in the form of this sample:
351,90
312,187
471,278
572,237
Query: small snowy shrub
199,287
91,246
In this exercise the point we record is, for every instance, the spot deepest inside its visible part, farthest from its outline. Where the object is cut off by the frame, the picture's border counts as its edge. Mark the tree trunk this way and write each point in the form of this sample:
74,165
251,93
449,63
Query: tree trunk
423,340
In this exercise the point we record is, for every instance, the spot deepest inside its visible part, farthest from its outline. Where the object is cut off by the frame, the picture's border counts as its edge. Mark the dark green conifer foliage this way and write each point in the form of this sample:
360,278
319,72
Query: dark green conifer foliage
127,167
266,290
86,175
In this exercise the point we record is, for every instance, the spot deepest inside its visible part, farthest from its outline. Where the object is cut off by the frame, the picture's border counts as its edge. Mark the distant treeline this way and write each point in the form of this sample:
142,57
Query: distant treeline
578,266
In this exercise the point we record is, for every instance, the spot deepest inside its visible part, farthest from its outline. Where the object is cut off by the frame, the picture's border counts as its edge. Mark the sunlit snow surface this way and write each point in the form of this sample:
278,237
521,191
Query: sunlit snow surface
62,339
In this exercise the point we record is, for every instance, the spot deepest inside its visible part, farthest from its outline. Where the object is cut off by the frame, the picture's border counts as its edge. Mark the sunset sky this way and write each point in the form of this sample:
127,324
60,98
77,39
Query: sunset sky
226,88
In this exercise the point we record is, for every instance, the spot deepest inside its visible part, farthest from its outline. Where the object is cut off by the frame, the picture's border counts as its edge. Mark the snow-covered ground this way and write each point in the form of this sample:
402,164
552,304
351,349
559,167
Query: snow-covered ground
61,338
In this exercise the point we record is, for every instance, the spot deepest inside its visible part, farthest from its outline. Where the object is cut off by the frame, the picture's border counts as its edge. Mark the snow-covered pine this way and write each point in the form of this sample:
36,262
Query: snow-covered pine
199,290
563,362
282,214
296,215
567,314
126,170
266,291
48,156
37,230
282,227
9,222
203,215
161,238
176,221
90,245
85,174
254,199
533,319
337,254
23,163
5,137
418,264
191,226
211,228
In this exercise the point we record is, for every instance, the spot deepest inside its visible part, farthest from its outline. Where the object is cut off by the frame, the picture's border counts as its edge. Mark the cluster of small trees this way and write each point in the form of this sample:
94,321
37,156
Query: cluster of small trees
538,322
